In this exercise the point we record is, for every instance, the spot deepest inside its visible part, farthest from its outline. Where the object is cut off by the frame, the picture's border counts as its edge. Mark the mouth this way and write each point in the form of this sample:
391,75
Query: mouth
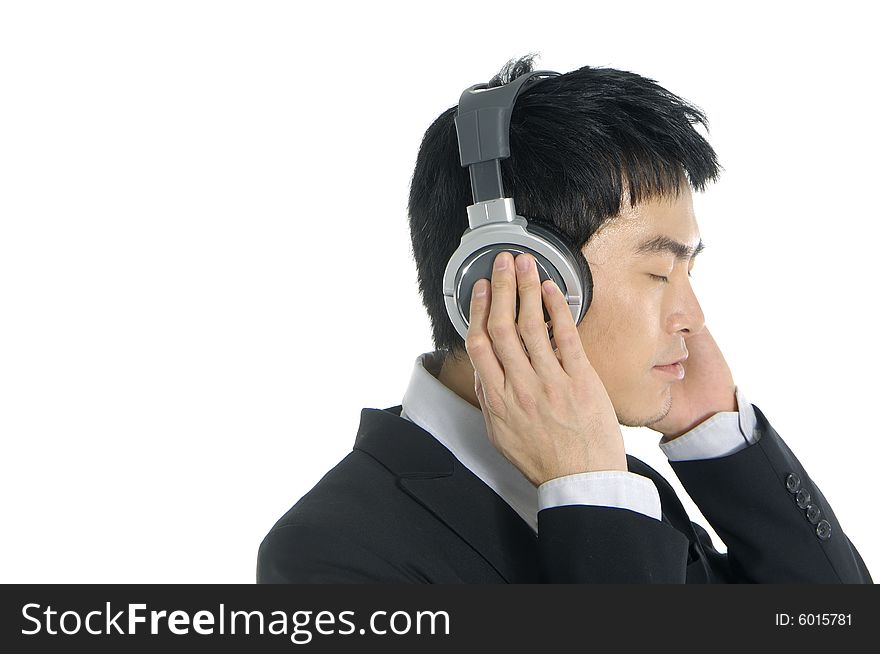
674,369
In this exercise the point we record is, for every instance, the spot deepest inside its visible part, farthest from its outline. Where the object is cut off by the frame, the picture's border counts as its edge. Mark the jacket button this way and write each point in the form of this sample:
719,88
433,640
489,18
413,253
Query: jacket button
813,513
793,483
803,498
823,530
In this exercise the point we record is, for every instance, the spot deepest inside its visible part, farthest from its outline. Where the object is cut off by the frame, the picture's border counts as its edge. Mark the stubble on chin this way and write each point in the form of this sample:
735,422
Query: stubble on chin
643,421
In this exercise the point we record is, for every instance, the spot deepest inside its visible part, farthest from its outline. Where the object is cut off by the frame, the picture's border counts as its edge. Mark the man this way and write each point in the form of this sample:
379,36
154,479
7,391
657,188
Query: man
505,462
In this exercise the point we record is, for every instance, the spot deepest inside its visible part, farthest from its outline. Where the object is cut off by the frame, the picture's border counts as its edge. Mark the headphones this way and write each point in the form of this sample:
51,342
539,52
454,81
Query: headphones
482,123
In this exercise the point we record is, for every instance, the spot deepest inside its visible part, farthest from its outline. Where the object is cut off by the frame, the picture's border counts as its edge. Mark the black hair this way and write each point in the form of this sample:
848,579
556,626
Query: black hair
580,143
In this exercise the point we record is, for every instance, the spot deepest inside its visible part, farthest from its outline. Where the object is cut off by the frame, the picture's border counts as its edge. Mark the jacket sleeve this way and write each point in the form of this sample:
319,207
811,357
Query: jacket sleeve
777,524
300,554
726,432
599,544
617,488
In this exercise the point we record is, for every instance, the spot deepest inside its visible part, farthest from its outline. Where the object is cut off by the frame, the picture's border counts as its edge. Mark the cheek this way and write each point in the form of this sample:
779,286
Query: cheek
620,332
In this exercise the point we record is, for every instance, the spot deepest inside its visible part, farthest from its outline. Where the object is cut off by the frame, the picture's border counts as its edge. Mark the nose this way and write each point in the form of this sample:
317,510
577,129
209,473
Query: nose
687,315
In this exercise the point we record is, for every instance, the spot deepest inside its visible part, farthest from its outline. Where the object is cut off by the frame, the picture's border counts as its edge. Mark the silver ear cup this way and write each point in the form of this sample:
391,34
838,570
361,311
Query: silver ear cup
476,254
480,265
583,273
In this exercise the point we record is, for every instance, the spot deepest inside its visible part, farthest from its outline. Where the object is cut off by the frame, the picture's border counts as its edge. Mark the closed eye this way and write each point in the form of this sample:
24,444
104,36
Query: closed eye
663,278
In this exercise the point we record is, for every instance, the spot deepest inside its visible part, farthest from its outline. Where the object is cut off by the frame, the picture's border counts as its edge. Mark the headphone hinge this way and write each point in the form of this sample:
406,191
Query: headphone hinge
499,210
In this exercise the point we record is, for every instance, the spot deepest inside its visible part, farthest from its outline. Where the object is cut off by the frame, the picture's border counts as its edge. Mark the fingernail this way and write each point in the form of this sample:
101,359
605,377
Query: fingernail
479,288
501,262
522,263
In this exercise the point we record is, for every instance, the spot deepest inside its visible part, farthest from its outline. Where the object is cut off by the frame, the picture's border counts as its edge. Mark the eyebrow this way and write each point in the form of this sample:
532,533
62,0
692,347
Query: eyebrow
665,244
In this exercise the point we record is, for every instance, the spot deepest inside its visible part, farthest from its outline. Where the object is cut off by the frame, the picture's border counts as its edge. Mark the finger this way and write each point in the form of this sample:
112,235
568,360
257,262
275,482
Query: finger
501,323
553,346
481,398
477,341
530,322
478,388
568,340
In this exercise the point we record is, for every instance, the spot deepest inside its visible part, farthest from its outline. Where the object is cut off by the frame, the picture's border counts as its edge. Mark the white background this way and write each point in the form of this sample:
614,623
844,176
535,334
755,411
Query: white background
205,268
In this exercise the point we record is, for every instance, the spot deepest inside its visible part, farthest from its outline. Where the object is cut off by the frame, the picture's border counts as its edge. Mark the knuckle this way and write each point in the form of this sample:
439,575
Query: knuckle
475,343
568,338
577,353
499,328
525,398
500,350
527,283
528,288
531,325
548,389
494,403
551,390
500,282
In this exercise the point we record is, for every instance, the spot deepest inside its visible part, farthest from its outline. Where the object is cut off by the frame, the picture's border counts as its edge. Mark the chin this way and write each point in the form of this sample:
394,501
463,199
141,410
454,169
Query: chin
642,413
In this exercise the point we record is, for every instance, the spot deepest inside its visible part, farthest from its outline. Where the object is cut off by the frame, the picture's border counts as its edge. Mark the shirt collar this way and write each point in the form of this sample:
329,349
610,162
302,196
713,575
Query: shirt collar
459,426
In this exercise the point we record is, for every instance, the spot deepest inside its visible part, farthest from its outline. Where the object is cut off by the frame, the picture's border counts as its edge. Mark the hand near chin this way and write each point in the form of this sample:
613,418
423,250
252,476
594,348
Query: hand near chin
707,388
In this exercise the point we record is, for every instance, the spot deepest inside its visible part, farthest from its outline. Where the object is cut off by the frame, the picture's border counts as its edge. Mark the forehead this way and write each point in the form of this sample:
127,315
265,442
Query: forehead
651,228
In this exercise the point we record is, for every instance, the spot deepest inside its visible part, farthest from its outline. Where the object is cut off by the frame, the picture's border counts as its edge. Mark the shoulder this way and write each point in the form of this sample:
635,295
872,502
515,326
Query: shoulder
351,526
357,488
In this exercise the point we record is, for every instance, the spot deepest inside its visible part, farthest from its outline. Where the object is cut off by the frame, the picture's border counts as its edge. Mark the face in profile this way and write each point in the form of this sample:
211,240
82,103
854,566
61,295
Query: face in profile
643,307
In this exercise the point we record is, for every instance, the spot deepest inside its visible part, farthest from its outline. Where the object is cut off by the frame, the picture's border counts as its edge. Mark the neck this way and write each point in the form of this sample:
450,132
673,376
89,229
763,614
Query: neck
458,376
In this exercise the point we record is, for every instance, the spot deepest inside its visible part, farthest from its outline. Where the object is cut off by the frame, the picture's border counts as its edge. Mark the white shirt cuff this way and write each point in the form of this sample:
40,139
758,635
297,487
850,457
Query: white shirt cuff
722,434
614,488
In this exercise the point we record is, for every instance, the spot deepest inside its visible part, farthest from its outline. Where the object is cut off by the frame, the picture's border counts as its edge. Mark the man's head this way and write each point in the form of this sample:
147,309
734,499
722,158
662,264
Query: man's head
608,158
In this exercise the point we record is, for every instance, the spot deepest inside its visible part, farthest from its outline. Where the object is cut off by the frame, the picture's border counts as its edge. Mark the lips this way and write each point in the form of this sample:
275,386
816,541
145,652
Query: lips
672,363
676,370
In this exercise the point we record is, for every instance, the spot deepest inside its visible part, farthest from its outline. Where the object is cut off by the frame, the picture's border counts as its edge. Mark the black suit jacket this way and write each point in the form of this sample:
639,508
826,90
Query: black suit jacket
401,508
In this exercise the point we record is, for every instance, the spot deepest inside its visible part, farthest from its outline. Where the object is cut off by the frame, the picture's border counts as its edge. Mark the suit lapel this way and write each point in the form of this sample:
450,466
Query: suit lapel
432,476
482,520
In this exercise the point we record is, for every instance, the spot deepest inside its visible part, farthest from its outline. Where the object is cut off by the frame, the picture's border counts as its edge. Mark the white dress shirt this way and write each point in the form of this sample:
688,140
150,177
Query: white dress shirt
460,427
